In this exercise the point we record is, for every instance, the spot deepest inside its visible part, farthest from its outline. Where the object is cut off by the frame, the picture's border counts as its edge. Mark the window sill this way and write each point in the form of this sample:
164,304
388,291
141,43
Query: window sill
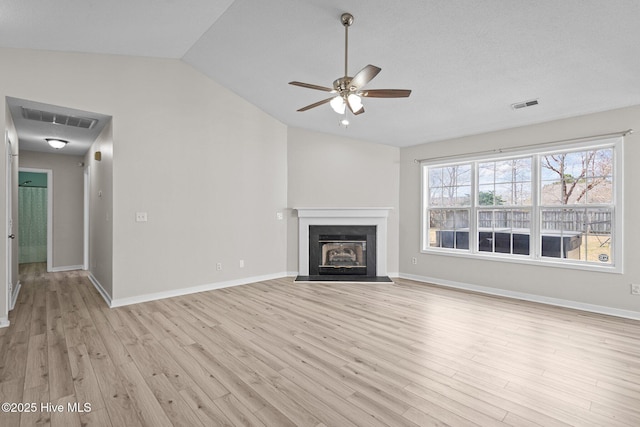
526,259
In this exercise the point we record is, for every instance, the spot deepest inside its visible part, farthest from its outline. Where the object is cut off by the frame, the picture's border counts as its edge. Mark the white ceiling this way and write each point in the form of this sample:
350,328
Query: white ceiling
466,61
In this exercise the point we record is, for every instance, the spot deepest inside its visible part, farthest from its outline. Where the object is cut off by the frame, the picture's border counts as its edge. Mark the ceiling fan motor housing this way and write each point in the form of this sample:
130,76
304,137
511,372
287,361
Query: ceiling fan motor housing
343,85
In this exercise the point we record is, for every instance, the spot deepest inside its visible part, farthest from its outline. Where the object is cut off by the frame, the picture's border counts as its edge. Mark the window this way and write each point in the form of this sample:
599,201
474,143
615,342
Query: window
450,201
561,206
504,206
576,204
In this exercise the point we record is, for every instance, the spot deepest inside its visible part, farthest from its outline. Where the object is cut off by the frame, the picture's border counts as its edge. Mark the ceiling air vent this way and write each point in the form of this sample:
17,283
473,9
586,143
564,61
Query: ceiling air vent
58,119
524,104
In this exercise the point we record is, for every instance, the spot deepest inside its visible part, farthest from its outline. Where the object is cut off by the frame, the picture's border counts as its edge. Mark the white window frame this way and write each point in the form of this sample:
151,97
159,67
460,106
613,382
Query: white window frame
534,257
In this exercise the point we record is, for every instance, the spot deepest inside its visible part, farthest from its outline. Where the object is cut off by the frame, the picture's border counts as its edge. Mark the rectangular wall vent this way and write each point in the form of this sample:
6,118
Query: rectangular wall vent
58,119
524,104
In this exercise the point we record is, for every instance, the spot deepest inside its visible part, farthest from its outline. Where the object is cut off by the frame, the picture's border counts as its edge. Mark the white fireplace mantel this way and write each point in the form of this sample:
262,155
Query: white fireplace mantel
343,216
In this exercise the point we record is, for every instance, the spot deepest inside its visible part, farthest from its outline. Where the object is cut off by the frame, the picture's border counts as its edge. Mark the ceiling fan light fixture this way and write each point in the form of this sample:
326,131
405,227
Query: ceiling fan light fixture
338,104
355,102
56,143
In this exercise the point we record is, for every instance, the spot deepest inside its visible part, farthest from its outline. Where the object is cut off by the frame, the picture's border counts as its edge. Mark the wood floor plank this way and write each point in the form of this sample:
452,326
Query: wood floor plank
60,378
84,379
37,369
35,417
142,398
62,416
172,403
317,354
204,408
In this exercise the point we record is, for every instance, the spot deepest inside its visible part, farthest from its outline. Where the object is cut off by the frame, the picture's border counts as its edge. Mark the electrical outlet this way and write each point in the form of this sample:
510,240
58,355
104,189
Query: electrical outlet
635,289
219,266
241,263
414,260
141,217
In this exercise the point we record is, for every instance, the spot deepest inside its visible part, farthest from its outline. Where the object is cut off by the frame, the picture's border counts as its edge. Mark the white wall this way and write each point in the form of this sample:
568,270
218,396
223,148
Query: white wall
68,198
330,171
583,287
101,210
208,167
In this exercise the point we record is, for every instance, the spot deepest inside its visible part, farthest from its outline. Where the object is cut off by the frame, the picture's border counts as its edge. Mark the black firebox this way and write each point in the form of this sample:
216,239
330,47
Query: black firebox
342,250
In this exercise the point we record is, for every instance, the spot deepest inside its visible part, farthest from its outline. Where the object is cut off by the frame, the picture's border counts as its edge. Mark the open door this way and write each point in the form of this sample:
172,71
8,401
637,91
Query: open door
12,288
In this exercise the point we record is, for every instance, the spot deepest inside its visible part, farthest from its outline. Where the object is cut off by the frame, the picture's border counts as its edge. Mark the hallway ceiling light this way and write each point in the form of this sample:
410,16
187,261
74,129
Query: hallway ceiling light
57,143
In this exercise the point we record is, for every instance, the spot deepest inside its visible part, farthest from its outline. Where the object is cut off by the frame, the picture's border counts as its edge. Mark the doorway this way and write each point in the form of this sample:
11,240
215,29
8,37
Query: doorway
35,216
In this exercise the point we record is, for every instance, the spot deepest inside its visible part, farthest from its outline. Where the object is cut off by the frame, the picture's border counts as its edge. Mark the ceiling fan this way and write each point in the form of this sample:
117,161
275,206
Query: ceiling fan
348,91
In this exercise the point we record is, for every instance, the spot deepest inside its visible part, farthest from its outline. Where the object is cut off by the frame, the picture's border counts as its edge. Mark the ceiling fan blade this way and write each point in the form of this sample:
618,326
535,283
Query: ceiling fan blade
316,104
386,93
310,86
364,76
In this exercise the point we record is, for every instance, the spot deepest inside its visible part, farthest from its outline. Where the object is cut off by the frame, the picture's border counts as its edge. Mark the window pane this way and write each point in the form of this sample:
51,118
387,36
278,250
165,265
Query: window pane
504,231
576,178
486,173
503,194
550,168
505,171
573,164
486,195
522,193
456,175
551,193
562,233
597,241
435,177
448,196
599,190
504,182
463,175
523,169
463,196
449,228
435,197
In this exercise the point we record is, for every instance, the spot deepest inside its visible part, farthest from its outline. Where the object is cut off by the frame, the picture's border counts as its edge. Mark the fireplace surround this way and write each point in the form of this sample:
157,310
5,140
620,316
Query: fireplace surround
342,244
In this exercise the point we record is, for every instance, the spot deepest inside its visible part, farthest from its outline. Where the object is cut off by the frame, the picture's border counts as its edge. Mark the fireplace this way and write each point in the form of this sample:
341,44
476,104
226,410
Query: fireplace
342,250
347,244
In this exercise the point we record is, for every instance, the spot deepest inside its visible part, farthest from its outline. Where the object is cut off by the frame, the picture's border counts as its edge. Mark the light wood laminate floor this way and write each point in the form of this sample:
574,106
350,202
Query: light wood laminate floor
276,353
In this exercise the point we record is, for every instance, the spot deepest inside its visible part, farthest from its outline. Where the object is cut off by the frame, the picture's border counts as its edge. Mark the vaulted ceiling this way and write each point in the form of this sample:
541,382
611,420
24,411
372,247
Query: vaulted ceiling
467,62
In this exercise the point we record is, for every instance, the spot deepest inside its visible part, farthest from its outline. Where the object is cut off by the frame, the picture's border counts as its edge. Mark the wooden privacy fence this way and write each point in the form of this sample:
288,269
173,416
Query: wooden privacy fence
592,221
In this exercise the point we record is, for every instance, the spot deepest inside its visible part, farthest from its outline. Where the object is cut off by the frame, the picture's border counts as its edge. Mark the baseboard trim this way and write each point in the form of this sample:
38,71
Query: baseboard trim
100,289
14,297
119,302
66,268
593,308
4,322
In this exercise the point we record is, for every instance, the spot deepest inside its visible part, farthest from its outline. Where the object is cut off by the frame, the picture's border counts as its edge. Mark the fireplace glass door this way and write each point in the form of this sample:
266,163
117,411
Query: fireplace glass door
342,250
339,255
